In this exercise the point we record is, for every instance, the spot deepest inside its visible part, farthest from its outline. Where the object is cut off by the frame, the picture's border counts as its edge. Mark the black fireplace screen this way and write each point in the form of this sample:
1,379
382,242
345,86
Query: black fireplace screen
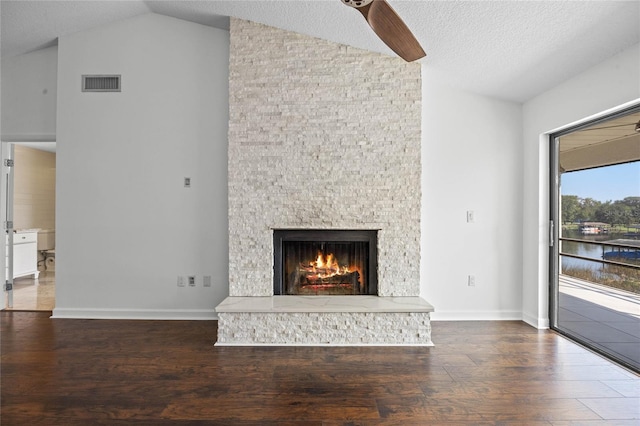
318,262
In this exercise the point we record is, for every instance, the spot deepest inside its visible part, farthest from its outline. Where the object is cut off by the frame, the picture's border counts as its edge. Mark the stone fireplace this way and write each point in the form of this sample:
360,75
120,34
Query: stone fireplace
322,138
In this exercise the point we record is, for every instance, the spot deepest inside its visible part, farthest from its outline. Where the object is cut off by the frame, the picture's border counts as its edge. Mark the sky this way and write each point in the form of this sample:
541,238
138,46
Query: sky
608,183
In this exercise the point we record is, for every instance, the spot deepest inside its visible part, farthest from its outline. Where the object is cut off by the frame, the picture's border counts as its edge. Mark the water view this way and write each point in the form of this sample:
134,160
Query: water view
593,251
595,270
591,214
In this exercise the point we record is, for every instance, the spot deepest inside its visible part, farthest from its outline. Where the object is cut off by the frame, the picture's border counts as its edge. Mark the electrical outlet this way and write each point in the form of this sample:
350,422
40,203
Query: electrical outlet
471,216
206,281
187,182
180,281
192,280
471,281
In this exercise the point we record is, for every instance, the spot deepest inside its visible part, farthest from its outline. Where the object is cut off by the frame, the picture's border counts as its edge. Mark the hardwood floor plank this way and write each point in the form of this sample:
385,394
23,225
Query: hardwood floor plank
516,374
287,407
569,389
628,388
614,408
473,409
595,423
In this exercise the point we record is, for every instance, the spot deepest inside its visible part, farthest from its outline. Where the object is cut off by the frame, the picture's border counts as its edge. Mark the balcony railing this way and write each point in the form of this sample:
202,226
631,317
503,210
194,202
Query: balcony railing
603,244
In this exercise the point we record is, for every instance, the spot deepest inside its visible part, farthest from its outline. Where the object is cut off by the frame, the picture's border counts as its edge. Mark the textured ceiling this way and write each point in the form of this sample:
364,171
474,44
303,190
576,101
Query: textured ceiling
511,50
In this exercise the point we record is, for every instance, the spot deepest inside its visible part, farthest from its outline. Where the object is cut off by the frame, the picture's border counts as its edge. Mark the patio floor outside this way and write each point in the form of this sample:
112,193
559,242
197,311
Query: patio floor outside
607,318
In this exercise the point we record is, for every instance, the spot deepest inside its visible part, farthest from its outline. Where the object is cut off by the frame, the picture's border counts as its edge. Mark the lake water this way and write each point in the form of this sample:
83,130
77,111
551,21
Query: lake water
584,249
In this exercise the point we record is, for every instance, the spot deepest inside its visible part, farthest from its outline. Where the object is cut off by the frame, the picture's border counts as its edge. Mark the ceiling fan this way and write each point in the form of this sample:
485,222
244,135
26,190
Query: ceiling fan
386,23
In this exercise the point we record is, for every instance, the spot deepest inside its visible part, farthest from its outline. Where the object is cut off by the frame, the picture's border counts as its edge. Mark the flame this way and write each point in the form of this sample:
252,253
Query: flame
318,274
327,266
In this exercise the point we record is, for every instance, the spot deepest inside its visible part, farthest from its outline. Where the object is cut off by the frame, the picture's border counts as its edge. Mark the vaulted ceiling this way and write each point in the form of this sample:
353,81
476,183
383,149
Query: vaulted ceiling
512,50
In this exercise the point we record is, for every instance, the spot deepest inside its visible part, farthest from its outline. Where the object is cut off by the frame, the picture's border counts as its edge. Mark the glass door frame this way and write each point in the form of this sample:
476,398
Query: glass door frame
555,223
6,216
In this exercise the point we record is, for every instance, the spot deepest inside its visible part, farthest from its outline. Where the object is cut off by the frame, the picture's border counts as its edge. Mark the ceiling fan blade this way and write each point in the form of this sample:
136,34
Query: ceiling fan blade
386,23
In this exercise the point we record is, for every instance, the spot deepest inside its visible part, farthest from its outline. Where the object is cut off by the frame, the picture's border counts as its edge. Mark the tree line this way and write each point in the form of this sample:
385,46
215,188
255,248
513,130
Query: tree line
624,212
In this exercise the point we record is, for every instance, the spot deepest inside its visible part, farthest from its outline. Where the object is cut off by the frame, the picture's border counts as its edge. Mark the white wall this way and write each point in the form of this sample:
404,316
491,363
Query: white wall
605,86
471,160
28,101
126,226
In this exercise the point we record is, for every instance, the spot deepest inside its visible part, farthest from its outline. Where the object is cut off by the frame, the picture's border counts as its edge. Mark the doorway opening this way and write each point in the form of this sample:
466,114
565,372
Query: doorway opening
595,240
28,208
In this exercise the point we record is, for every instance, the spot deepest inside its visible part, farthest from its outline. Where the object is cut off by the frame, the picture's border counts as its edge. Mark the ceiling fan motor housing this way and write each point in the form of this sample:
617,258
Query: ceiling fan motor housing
357,3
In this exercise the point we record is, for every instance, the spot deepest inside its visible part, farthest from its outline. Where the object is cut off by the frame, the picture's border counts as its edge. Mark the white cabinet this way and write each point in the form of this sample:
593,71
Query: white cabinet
25,254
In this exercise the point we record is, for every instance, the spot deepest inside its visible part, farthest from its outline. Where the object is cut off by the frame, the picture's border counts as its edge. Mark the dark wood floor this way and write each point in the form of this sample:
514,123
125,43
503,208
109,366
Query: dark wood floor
68,372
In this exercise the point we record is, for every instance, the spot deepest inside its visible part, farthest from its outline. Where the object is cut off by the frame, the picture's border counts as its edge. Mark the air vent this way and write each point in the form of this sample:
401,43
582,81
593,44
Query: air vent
100,83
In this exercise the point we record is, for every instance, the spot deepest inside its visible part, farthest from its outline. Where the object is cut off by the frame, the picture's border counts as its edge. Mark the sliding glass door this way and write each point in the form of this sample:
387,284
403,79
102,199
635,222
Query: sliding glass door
595,235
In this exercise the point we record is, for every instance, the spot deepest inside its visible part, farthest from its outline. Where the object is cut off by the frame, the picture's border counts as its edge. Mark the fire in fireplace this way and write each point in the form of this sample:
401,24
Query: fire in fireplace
325,262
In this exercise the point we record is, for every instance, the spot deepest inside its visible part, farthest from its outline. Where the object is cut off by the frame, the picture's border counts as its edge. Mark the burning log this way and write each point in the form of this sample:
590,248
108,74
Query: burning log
348,278
321,271
308,277
324,275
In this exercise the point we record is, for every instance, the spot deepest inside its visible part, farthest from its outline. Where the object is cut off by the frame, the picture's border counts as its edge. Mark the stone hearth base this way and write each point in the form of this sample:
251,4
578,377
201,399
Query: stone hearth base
324,320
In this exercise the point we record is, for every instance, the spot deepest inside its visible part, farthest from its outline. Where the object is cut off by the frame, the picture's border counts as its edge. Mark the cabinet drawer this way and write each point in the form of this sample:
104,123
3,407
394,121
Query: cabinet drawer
27,237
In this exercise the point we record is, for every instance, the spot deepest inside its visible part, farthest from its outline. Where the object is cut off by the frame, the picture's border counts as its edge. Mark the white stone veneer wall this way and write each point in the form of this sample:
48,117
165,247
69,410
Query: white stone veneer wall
337,328
321,135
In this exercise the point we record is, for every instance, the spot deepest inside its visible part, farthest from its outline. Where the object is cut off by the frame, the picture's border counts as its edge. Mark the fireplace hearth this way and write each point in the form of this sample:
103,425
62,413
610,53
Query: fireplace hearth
325,262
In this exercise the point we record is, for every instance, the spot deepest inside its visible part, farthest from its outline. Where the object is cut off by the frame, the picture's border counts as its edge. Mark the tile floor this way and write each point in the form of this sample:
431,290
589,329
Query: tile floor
30,294
606,318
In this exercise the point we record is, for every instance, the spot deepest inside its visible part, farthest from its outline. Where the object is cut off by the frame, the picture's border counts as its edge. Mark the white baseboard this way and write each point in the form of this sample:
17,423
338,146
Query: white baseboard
29,137
439,315
136,314
540,323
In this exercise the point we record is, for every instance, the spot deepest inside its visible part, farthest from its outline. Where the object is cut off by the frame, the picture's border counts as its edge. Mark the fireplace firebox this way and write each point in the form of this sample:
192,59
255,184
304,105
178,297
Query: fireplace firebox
325,262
